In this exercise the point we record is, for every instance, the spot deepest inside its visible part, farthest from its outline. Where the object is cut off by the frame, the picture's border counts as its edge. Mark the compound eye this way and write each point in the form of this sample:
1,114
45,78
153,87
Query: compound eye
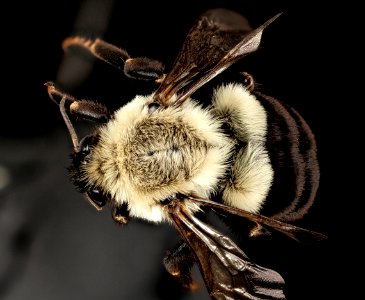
85,145
97,197
152,107
85,150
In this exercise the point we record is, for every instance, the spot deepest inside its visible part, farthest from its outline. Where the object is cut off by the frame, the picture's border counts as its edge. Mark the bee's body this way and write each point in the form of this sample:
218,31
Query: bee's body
144,156
161,157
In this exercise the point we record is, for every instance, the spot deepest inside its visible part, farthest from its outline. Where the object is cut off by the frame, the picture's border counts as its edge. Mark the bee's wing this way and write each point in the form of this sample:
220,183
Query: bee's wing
228,273
294,232
218,39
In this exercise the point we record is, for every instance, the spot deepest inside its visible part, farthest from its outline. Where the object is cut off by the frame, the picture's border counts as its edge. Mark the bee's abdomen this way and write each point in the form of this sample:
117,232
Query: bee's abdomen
293,154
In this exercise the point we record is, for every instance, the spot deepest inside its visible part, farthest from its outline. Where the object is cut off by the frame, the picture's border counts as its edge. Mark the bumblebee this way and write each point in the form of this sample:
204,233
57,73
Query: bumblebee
163,156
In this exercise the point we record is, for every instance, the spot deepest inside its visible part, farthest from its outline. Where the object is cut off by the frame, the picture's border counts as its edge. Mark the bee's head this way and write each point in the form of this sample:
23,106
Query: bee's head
80,158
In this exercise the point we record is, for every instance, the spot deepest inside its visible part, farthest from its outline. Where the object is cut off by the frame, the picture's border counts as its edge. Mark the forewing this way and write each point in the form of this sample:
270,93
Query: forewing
218,39
227,271
294,232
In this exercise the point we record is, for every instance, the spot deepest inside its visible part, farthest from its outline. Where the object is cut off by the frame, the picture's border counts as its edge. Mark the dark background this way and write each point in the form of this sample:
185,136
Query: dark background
53,245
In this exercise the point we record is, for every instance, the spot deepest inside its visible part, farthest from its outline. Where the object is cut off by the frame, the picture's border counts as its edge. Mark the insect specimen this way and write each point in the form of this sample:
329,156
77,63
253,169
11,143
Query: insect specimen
163,156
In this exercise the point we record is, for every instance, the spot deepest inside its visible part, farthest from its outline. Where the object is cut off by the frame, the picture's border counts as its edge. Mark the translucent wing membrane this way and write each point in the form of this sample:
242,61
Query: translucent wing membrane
227,271
218,39
294,232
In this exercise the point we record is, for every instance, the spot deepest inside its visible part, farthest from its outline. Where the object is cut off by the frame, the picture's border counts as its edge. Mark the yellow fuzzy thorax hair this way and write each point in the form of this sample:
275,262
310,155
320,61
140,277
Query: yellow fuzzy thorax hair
144,157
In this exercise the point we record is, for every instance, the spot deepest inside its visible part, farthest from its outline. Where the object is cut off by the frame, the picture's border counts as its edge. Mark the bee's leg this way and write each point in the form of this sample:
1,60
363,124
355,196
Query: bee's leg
178,262
138,68
85,109
120,213
259,231
248,81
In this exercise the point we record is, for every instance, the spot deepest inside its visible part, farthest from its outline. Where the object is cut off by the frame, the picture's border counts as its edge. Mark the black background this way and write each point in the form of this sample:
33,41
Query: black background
53,245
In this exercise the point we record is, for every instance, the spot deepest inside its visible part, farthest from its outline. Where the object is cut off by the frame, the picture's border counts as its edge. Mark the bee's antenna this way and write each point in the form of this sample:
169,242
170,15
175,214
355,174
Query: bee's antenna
52,91
71,129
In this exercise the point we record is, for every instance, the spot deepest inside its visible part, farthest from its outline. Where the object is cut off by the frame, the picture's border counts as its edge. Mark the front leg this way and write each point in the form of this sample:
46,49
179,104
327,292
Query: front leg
142,68
85,109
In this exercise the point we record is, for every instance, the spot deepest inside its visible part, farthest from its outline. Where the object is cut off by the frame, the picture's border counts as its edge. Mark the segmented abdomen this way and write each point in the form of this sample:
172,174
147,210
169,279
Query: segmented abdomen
293,154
